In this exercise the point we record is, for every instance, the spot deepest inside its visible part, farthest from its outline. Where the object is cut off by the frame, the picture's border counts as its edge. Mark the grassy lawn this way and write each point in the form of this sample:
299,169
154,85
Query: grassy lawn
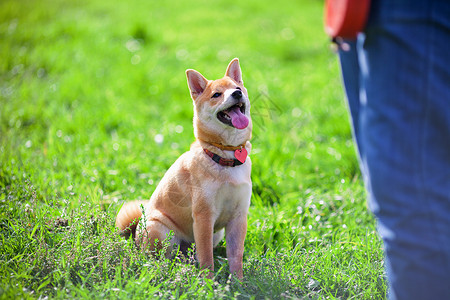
94,108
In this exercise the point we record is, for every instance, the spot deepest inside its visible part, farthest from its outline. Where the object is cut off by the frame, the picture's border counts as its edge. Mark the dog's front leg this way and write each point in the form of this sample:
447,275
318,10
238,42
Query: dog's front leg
235,236
203,236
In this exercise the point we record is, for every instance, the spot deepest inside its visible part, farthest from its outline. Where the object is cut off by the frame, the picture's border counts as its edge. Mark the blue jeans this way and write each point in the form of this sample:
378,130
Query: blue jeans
397,81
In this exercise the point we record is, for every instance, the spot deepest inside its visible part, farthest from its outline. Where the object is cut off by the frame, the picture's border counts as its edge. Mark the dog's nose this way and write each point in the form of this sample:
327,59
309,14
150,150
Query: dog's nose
237,94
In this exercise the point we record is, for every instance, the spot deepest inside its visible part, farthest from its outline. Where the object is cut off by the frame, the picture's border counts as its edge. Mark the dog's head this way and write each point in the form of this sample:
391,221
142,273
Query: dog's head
221,107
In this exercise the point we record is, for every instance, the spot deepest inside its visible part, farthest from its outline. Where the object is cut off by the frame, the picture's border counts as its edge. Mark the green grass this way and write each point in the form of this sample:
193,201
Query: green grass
86,86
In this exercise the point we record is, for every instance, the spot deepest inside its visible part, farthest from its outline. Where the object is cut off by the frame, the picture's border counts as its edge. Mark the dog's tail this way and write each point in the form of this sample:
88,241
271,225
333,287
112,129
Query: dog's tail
128,217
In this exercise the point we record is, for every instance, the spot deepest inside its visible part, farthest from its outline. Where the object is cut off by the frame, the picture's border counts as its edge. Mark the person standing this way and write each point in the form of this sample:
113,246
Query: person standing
396,75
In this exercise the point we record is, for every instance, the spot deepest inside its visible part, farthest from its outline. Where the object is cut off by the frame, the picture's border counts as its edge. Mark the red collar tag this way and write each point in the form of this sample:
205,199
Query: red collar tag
241,154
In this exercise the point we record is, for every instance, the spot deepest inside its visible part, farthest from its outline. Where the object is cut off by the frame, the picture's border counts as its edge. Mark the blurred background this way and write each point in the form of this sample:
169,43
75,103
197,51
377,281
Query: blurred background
94,107
84,78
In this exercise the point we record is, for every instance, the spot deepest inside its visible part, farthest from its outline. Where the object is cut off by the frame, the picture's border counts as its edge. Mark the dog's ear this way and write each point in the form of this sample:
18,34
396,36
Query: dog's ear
234,71
196,82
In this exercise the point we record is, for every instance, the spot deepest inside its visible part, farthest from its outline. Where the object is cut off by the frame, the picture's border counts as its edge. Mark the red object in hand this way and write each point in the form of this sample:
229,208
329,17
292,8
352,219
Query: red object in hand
345,18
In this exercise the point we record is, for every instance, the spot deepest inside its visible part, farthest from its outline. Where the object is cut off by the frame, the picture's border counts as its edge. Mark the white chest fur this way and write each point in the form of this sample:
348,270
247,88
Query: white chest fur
231,200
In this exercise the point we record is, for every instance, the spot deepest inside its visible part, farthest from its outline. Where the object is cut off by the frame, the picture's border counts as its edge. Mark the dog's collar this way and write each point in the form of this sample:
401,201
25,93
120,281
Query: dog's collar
240,154
226,162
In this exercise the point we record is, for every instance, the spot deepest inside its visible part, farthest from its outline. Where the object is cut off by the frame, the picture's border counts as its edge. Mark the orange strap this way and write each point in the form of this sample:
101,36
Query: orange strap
226,147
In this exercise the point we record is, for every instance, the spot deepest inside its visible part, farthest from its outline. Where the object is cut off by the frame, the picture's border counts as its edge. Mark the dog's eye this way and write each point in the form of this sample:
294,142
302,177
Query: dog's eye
238,88
216,95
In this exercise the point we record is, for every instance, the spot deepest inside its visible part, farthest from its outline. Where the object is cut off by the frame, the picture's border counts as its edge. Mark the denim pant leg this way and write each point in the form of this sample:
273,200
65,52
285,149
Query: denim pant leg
351,77
401,119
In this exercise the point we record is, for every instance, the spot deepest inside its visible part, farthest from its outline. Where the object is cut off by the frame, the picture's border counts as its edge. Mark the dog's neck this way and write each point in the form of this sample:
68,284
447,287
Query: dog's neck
224,147
218,140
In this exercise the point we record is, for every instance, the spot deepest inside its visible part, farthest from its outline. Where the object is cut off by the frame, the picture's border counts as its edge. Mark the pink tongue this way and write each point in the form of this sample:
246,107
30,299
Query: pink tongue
238,119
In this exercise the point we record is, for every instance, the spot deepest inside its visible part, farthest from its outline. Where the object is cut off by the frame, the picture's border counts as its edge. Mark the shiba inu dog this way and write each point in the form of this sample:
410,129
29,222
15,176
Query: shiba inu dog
207,191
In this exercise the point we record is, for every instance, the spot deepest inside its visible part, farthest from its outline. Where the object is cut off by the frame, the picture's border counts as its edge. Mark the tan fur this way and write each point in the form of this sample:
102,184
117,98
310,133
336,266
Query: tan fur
197,198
